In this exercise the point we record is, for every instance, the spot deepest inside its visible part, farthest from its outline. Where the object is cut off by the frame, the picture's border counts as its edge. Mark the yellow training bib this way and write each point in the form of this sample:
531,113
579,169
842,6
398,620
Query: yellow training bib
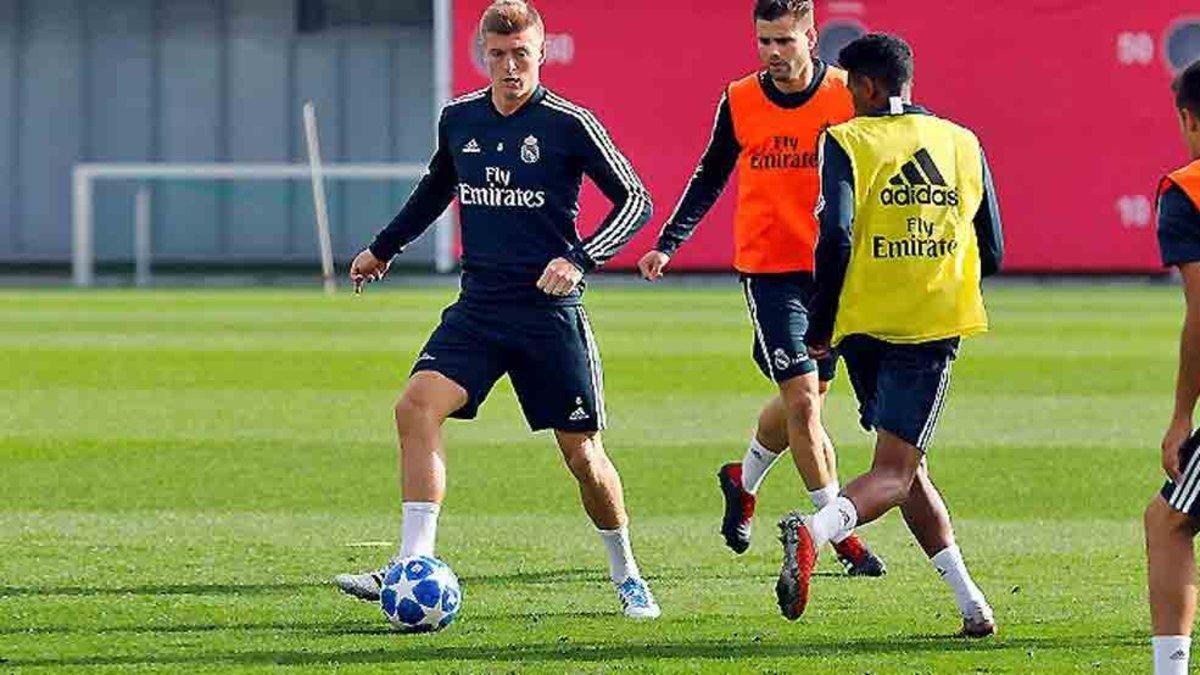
914,267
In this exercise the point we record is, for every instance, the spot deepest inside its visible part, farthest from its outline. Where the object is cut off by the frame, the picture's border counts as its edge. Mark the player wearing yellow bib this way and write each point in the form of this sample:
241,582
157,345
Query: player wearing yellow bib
909,226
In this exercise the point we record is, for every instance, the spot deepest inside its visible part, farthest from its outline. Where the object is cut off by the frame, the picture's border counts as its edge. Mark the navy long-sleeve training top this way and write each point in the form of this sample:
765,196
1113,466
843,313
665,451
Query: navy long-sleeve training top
517,180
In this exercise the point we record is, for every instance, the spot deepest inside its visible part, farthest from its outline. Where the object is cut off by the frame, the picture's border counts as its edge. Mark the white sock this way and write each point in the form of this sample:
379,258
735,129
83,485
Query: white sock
621,564
835,519
1171,653
820,498
419,529
755,465
949,564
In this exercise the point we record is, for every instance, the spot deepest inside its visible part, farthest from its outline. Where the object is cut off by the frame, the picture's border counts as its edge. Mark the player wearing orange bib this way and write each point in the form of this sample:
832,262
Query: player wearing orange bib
766,128
1173,517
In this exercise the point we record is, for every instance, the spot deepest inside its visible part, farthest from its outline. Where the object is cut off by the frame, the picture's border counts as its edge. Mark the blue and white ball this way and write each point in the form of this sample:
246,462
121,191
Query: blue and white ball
420,595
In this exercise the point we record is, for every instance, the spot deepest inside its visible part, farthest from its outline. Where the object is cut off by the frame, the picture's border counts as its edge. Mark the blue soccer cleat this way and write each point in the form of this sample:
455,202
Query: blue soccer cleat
637,600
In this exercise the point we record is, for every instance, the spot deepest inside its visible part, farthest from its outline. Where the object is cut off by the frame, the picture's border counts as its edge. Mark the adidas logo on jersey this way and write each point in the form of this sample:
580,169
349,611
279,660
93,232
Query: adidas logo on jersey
579,415
472,147
919,183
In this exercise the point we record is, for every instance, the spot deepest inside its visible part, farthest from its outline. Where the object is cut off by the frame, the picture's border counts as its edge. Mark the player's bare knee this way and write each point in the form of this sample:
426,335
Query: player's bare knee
770,414
583,454
895,481
413,412
1155,514
802,404
584,467
772,426
1161,519
405,410
901,489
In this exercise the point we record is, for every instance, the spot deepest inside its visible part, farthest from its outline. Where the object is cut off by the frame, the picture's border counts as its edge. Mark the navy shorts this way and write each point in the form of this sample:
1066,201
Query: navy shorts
780,319
548,352
900,388
1181,495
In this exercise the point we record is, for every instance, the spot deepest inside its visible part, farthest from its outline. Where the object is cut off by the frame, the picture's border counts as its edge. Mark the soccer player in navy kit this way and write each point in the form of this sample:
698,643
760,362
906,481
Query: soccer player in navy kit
1173,517
514,155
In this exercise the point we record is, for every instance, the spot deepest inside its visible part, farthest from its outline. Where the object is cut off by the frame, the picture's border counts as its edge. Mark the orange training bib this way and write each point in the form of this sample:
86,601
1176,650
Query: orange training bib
1188,180
775,229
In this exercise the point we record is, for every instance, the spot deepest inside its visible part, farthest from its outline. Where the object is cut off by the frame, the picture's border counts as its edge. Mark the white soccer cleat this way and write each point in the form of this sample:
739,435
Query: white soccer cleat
637,600
364,586
978,622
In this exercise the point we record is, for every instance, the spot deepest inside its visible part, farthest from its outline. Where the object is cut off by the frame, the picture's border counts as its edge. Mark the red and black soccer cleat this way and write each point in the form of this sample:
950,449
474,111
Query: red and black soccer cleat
739,508
799,560
858,560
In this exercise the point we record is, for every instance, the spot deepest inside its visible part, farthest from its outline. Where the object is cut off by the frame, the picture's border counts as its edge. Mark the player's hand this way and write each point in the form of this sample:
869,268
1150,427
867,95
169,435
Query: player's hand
367,268
651,265
560,277
1177,433
818,350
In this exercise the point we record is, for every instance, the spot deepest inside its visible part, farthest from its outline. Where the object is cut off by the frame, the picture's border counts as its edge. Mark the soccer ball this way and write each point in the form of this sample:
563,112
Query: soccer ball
420,595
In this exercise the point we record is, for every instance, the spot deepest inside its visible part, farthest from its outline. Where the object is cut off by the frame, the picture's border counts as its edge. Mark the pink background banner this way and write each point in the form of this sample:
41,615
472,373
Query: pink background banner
1070,98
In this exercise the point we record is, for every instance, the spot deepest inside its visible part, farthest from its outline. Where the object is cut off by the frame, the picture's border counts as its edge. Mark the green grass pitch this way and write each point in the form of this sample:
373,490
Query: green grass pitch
181,472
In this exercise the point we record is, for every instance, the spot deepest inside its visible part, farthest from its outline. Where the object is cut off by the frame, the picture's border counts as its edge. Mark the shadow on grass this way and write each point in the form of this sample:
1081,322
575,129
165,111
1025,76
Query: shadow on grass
419,650
596,574
328,627
551,576
588,574
547,576
157,589
337,626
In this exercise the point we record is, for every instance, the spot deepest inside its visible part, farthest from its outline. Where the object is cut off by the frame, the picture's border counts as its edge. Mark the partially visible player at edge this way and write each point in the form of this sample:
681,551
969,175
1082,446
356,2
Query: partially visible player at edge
1173,517
766,127
514,155
909,226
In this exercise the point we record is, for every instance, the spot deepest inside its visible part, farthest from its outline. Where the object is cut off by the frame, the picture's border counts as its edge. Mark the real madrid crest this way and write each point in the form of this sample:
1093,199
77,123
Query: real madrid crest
782,361
530,152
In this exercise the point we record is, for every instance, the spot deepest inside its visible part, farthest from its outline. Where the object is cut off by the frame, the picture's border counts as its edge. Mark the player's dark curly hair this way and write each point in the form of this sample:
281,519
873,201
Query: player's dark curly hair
769,10
1187,89
884,58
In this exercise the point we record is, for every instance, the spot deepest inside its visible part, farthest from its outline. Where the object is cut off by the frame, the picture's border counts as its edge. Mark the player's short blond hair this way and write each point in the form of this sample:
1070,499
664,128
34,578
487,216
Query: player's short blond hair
506,17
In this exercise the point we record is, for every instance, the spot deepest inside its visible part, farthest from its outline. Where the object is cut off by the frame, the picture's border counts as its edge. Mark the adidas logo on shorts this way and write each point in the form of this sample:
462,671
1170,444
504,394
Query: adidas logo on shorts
579,415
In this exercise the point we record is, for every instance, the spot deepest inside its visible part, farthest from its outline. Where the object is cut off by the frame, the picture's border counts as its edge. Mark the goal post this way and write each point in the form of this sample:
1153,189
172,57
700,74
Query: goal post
320,205
85,176
443,89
